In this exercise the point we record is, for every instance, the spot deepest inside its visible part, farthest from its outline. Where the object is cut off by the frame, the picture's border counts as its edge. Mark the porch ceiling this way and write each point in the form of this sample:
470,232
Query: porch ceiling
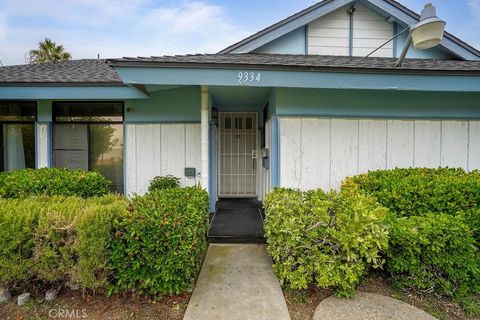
244,98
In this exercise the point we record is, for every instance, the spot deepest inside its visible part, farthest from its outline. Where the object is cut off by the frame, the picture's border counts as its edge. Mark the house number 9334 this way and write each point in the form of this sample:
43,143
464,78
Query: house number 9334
249,77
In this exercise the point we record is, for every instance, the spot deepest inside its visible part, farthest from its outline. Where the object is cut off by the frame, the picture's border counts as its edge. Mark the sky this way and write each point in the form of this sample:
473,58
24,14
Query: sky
118,28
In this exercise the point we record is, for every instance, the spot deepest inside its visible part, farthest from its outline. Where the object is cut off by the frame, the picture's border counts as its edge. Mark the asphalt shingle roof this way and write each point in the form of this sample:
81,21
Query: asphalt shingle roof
305,62
85,71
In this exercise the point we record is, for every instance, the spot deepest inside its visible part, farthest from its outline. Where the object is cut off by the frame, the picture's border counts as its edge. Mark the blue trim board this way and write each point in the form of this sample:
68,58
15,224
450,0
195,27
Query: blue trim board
350,40
301,79
275,153
73,93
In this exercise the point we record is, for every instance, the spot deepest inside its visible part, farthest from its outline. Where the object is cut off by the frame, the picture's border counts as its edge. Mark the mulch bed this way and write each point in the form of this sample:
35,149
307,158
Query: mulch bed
75,305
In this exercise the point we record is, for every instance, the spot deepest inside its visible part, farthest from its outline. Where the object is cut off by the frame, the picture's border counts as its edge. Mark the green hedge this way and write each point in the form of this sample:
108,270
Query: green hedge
434,225
164,182
418,191
331,239
160,241
52,182
434,253
57,239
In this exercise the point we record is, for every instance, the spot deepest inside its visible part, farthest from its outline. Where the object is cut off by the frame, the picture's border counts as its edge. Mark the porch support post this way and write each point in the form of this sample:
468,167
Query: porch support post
204,136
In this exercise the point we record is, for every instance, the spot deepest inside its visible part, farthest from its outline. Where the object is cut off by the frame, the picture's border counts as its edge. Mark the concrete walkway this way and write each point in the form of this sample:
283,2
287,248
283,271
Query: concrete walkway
237,282
368,306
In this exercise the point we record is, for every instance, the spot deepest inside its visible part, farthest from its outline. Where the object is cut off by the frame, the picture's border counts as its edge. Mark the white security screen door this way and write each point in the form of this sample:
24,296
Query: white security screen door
237,150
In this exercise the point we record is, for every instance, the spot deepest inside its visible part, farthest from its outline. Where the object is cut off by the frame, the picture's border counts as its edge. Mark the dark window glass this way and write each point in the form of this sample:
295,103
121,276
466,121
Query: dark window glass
90,145
228,123
17,135
18,111
88,111
248,123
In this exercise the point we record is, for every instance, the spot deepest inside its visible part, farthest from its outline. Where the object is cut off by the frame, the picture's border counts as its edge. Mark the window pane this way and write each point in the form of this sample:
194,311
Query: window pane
18,111
88,111
70,146
106,152
18,141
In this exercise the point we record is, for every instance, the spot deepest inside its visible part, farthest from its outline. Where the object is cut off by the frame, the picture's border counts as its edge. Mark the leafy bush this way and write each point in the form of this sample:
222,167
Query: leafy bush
57,239
52,182
418,191
332,239
159,241
166,182
434,253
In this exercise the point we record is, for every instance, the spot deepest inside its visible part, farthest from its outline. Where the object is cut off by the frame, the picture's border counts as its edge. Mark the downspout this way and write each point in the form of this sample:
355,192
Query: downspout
350,11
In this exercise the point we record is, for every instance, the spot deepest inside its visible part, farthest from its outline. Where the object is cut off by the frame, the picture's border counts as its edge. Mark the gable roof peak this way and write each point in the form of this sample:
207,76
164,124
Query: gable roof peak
394,9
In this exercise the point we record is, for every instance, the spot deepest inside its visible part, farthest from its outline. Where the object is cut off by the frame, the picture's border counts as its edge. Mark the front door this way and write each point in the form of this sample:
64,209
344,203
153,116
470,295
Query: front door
237,154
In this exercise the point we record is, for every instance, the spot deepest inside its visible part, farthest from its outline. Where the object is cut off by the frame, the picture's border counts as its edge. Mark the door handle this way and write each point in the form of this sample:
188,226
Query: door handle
254,158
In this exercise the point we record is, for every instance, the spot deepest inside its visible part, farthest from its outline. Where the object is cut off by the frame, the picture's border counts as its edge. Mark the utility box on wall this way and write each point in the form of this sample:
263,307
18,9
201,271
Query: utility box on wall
190,172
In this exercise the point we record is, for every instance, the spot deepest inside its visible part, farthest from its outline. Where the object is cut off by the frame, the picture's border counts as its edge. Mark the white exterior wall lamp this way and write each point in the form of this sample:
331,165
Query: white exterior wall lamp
426,34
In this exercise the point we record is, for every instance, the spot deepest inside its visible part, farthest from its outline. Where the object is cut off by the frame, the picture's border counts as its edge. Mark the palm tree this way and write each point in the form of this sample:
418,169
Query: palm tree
48,51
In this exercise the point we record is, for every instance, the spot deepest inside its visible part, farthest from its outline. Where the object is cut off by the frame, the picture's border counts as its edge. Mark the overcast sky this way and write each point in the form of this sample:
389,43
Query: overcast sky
116,28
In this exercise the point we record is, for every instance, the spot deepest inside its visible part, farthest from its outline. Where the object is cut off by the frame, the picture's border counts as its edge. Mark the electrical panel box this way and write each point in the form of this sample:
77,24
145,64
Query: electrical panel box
190,172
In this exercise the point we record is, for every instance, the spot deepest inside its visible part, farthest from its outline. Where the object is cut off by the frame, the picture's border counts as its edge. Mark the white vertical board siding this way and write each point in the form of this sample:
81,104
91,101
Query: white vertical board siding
454,144
400,143
42,138
320,153
344,150
370,31
428,143
330,34
372,145
158,150
474,145
291,152
315,153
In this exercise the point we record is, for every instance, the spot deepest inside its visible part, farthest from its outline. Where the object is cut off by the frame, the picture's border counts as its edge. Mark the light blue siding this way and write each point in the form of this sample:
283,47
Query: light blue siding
70,93
377,104
173,105
301,79
291,43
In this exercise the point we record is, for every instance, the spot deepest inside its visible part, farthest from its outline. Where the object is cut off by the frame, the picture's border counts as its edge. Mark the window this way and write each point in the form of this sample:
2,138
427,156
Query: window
17,135
89,136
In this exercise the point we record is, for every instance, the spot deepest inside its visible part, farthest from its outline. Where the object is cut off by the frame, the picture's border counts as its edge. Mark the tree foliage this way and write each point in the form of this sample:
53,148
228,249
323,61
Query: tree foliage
48,51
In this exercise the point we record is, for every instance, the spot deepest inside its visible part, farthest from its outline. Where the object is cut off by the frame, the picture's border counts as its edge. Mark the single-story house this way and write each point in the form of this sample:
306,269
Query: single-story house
293,105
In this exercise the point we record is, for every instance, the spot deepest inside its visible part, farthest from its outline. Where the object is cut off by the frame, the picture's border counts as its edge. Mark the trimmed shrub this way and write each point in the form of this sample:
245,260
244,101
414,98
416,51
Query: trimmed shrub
434,253
331,239
53,182
418,191
57,239
160,241
166,182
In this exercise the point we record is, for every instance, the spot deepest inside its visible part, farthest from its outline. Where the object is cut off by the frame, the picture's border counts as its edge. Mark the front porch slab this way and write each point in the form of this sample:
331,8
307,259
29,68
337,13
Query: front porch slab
237,282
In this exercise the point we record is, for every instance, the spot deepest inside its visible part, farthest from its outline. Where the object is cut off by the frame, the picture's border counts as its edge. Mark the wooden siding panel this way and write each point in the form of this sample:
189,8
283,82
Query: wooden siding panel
315,154
427,144
344,150
372,145
371,30
454,144
290,152
400,144
160,149
130,158
330,35
42,138
337,148
474,145
192,151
